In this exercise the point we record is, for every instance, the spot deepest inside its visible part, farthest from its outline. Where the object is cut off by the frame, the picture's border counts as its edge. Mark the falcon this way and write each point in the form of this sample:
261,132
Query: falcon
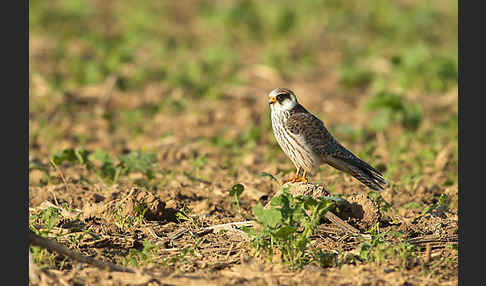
308,144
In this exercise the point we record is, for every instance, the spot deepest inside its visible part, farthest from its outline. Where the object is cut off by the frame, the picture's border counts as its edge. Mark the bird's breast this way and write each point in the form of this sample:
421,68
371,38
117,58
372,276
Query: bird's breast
294,145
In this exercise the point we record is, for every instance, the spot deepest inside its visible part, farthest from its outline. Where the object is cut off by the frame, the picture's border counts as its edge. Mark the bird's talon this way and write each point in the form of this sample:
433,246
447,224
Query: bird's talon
291,180
295,180
302,179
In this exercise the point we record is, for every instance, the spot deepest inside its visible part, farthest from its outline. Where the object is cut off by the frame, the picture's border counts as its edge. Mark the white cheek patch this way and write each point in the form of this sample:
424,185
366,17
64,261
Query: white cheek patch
286,105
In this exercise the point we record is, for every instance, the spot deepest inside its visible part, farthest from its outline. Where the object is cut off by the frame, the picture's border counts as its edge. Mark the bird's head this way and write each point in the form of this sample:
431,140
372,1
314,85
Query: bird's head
282,99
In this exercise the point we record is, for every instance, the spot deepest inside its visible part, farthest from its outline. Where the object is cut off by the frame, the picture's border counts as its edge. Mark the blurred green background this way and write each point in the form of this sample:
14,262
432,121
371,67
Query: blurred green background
202,46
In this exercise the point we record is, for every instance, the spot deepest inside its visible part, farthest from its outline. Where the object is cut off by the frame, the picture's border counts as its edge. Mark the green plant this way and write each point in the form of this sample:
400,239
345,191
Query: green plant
126,221
392,108
77,156
287,225
379,249
235,194
411,205
265,174
142,257
198,163
45,220
420,67
353,76
180,258
107,170
183,215
441,205
383,205
43,257
137,161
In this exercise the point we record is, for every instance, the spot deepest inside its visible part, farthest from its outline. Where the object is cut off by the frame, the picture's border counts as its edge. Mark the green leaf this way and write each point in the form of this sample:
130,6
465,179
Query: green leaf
364,252
325,205
64,155
285,232
258,211
276,201
309,202
102,156
443,200
143,162
411,205
269,217
265,174
428,209
237,190
335,199
272,217
70,155
249,230
81,155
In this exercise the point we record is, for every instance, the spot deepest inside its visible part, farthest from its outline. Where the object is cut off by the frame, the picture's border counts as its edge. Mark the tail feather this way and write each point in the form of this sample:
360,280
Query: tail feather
368,176
360,170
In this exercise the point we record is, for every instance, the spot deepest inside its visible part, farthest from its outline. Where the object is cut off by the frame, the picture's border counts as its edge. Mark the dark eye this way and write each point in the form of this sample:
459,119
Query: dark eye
281,97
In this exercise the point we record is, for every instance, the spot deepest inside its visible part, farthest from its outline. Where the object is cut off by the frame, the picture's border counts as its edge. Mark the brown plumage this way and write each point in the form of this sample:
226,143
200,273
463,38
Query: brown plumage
307,142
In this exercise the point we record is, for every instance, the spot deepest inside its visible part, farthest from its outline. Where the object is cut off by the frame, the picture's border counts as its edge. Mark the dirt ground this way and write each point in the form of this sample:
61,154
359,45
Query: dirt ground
222,258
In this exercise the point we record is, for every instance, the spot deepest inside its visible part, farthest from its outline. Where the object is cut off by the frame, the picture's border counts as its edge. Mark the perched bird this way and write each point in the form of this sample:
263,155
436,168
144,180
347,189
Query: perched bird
307,142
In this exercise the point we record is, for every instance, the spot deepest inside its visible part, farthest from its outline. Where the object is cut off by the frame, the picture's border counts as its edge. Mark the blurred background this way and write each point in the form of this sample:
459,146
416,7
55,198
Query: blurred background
188,81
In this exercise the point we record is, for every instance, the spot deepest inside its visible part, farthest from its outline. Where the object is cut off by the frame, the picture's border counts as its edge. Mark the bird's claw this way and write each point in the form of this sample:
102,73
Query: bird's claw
301,179
296,180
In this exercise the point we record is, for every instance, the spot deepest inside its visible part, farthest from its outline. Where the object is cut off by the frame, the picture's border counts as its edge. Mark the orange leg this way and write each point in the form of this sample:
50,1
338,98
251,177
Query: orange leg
297,174
303,178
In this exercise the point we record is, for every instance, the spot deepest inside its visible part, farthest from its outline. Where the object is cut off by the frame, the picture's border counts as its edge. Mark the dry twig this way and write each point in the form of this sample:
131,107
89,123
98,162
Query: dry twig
37,240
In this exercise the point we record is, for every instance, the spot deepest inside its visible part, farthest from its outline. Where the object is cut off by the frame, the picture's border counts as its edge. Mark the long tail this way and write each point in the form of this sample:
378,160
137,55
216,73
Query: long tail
361,170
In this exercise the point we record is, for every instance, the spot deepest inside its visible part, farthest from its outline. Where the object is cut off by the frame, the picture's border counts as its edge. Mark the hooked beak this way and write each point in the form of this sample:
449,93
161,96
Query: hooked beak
272,100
